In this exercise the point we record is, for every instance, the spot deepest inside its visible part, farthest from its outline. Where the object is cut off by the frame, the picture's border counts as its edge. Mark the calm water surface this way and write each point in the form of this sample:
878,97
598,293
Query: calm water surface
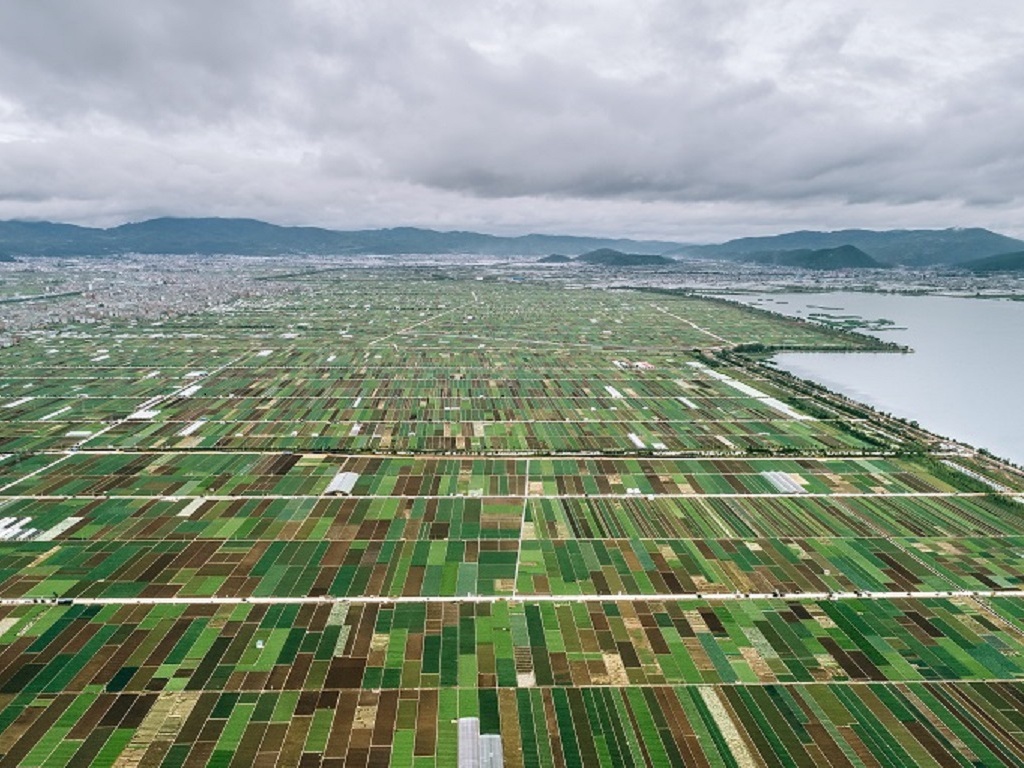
965,379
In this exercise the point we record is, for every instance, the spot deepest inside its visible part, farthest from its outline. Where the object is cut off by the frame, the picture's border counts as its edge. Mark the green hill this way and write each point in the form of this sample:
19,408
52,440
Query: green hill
554,258
1003,262
910,247
607,257
843,257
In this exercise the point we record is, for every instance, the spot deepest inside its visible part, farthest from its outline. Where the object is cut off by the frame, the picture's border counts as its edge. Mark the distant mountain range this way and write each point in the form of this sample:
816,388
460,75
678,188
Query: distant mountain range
207,236
257,238
907,247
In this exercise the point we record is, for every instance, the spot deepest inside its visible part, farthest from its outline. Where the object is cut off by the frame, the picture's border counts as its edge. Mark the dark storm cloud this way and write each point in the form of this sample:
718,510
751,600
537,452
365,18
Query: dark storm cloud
652,117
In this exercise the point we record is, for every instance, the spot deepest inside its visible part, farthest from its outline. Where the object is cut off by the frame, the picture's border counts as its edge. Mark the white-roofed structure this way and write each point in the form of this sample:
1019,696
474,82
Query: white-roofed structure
343,482
784,482
490,751
469,742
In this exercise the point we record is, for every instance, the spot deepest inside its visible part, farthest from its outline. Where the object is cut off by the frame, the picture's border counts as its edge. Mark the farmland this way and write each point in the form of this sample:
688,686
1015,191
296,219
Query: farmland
319,525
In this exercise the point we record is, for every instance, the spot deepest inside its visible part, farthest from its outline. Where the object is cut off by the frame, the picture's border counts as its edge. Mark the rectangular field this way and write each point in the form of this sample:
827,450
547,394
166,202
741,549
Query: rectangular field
317,526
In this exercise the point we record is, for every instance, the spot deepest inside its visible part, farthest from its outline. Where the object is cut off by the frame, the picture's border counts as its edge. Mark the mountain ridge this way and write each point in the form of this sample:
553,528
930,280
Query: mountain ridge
906,247
207,236
252,237
1000,262
840,257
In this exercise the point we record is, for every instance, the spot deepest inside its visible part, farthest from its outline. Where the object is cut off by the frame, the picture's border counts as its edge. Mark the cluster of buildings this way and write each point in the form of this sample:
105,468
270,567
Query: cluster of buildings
47,292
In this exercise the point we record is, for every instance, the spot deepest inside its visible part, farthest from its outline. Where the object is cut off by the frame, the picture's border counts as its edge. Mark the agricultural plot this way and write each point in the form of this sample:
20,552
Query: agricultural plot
206,473
981,563
560,682
922,724
319,527
455,383
636,516
259,474
342,646
470,404
701,567
275,519
241,568
492,517
503,566
778,476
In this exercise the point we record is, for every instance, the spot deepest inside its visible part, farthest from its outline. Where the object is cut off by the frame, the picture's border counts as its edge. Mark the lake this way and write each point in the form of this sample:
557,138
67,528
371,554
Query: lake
965,379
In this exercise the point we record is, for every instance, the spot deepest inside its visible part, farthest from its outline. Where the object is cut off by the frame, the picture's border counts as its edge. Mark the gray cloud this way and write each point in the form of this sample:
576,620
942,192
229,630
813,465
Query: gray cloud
680,119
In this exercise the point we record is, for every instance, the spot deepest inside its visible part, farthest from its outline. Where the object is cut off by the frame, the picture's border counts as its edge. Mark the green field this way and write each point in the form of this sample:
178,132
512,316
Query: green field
318,527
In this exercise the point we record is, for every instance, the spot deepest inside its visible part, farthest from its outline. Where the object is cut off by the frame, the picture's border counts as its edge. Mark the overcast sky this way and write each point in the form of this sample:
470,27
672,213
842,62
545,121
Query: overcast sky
680,119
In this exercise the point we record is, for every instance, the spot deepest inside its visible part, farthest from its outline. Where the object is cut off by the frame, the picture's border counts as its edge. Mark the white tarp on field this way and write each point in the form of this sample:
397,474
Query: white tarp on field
783,482
55,414
191,507
191,428
62,527
757,394
343,482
